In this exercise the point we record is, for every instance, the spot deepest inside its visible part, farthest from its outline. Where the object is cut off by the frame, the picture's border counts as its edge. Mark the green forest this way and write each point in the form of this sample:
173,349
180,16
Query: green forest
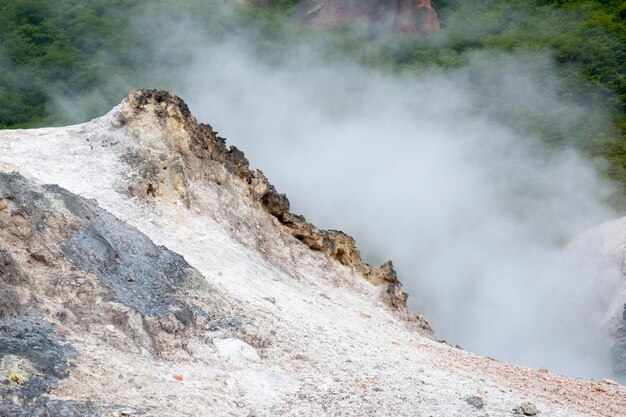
89,53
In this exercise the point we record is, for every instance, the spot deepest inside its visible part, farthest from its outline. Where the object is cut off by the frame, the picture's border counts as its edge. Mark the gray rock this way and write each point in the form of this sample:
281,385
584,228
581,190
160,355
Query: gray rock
124,267
27,339
476,402
527,409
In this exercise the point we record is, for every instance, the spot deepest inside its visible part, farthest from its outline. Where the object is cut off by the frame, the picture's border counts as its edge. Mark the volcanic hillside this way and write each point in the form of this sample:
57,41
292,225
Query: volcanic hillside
146,270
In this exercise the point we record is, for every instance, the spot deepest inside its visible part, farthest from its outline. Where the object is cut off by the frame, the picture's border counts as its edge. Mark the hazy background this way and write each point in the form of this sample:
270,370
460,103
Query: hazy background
474,215
466,173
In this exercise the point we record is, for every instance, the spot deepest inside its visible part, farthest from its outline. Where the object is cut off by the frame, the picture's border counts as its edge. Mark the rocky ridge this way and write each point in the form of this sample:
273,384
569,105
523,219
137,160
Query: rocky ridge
164,277
204,156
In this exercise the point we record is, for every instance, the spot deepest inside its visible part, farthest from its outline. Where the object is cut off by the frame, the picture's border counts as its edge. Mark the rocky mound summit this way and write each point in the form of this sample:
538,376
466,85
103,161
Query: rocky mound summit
147,270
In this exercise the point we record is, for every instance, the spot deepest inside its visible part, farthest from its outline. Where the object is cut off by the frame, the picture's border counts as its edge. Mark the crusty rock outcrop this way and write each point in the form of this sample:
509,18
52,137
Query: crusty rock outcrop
198,153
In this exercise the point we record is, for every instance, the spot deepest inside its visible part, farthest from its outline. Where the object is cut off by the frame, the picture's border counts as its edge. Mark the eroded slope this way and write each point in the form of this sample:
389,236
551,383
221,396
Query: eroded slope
264,315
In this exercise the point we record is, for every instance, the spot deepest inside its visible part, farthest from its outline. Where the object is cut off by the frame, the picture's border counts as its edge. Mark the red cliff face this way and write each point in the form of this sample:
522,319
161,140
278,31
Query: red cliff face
410,16
328,13
416,16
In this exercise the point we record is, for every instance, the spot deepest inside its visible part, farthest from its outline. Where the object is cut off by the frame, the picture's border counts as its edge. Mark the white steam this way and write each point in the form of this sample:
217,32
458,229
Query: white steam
474,215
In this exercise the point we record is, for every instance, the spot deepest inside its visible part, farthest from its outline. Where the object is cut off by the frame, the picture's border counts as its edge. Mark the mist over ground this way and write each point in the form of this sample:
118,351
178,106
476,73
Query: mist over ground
474,209
474,216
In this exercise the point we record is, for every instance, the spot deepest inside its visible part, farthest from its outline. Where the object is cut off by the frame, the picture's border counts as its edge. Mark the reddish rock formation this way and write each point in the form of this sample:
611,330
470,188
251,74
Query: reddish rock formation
416,16
410,16
328,13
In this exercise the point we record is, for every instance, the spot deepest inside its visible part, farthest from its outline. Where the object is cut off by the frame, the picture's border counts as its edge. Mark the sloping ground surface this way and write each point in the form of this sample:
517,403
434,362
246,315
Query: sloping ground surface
68,264
264,315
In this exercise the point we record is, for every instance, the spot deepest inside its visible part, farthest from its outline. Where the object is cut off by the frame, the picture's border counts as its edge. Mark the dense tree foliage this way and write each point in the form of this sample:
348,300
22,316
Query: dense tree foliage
54,54
50,49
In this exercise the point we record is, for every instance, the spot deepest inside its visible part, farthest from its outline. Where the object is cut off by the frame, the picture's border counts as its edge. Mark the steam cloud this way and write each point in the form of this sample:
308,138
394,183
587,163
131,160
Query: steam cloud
474,214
